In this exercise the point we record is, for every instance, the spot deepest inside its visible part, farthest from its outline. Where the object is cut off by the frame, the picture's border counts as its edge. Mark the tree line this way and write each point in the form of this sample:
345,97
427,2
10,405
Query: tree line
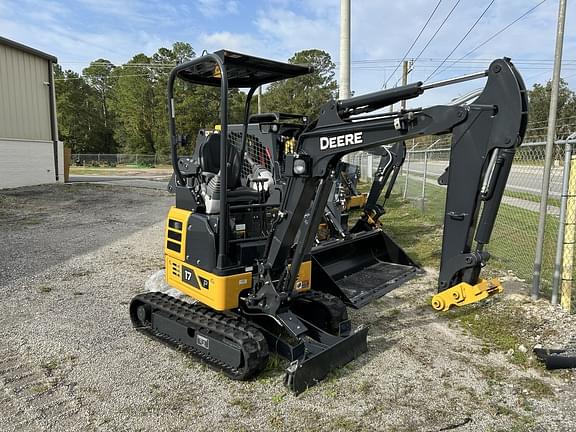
539,97
122,108
110,108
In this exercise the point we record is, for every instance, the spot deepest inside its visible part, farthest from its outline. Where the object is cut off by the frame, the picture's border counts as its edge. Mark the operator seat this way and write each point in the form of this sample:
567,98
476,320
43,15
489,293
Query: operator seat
209,158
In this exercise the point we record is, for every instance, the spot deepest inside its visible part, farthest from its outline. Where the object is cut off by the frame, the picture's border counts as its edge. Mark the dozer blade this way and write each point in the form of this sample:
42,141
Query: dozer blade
324,354
361,268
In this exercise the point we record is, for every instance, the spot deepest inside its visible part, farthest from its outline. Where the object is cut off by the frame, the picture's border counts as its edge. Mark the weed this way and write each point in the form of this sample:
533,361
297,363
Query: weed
275,363
536,387
277,398
504,410
365,387
243,404
331,392
341,423
277,421
493,374
498,327
40,388
44,289
49,366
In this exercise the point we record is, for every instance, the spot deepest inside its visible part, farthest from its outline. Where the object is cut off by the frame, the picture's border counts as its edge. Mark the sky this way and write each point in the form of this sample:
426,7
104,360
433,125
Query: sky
79,31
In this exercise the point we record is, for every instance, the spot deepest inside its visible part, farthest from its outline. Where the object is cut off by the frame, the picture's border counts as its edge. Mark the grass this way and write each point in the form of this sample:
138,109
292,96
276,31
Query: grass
49,366
244,404
121,170
278,398
44,289
275,366
527,196
497,328
40,388
536,387
512,245
513,241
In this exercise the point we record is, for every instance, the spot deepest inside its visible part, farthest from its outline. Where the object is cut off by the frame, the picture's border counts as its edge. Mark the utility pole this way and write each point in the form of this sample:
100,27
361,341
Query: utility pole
344,82
549,149
405,66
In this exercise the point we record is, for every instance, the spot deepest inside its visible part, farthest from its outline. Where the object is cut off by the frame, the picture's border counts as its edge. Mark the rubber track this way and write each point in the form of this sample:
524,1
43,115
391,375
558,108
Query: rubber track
213,324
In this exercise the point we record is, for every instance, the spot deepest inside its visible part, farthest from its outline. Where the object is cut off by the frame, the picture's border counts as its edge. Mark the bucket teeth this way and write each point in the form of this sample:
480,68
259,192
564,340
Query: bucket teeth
464,293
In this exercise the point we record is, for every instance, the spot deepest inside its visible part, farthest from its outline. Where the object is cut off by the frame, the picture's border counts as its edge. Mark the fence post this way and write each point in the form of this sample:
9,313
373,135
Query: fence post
562,223
569,239
98,158
370,166
424,181
407,175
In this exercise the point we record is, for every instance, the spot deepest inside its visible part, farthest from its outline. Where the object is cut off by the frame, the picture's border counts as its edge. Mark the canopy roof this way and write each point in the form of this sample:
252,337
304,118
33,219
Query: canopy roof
242,70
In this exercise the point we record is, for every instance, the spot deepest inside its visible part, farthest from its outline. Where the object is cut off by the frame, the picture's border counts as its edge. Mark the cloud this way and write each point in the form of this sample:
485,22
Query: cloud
212,8
244,43
78,31
294,32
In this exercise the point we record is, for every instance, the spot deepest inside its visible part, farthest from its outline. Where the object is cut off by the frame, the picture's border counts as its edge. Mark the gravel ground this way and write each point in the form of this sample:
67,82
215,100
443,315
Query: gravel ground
72,258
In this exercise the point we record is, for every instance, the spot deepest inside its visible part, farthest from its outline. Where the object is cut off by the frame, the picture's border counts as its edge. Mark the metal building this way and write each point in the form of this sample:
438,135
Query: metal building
30,152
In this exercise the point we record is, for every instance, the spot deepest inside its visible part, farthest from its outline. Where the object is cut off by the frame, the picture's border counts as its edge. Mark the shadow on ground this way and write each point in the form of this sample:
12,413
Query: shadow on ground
43,226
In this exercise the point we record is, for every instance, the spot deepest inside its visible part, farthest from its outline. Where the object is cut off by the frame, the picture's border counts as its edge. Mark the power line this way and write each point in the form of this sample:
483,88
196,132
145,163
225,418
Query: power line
461,40
494,35
82,77
437,30
438,59
413,43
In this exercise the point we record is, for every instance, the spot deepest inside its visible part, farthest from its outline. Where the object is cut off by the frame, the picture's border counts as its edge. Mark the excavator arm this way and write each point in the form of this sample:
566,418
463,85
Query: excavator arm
485,135
391,160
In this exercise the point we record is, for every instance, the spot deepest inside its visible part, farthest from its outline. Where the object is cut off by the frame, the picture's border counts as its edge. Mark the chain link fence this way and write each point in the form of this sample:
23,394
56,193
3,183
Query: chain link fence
114,160
513,241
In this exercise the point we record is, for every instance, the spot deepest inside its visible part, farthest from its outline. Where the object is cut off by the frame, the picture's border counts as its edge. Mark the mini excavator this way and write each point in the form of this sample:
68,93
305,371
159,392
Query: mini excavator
241,250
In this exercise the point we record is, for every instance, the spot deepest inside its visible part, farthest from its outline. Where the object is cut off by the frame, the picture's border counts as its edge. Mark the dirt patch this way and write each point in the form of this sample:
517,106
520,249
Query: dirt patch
71,360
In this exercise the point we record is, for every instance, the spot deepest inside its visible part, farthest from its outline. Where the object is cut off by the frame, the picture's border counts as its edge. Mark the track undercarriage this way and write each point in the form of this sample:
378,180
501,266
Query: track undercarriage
239,345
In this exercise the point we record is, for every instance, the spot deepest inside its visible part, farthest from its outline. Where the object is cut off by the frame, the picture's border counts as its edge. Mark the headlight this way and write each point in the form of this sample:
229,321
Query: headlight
299,167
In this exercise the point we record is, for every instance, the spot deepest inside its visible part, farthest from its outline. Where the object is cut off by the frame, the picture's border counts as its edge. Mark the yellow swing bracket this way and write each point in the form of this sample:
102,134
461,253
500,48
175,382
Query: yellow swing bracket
464,293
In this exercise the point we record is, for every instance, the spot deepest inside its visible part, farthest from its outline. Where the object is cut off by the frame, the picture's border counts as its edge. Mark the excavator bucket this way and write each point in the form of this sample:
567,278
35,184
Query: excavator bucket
361,268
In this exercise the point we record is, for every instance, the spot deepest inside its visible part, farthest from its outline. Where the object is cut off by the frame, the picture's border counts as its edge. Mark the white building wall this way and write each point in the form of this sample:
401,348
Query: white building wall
28,163
26,146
